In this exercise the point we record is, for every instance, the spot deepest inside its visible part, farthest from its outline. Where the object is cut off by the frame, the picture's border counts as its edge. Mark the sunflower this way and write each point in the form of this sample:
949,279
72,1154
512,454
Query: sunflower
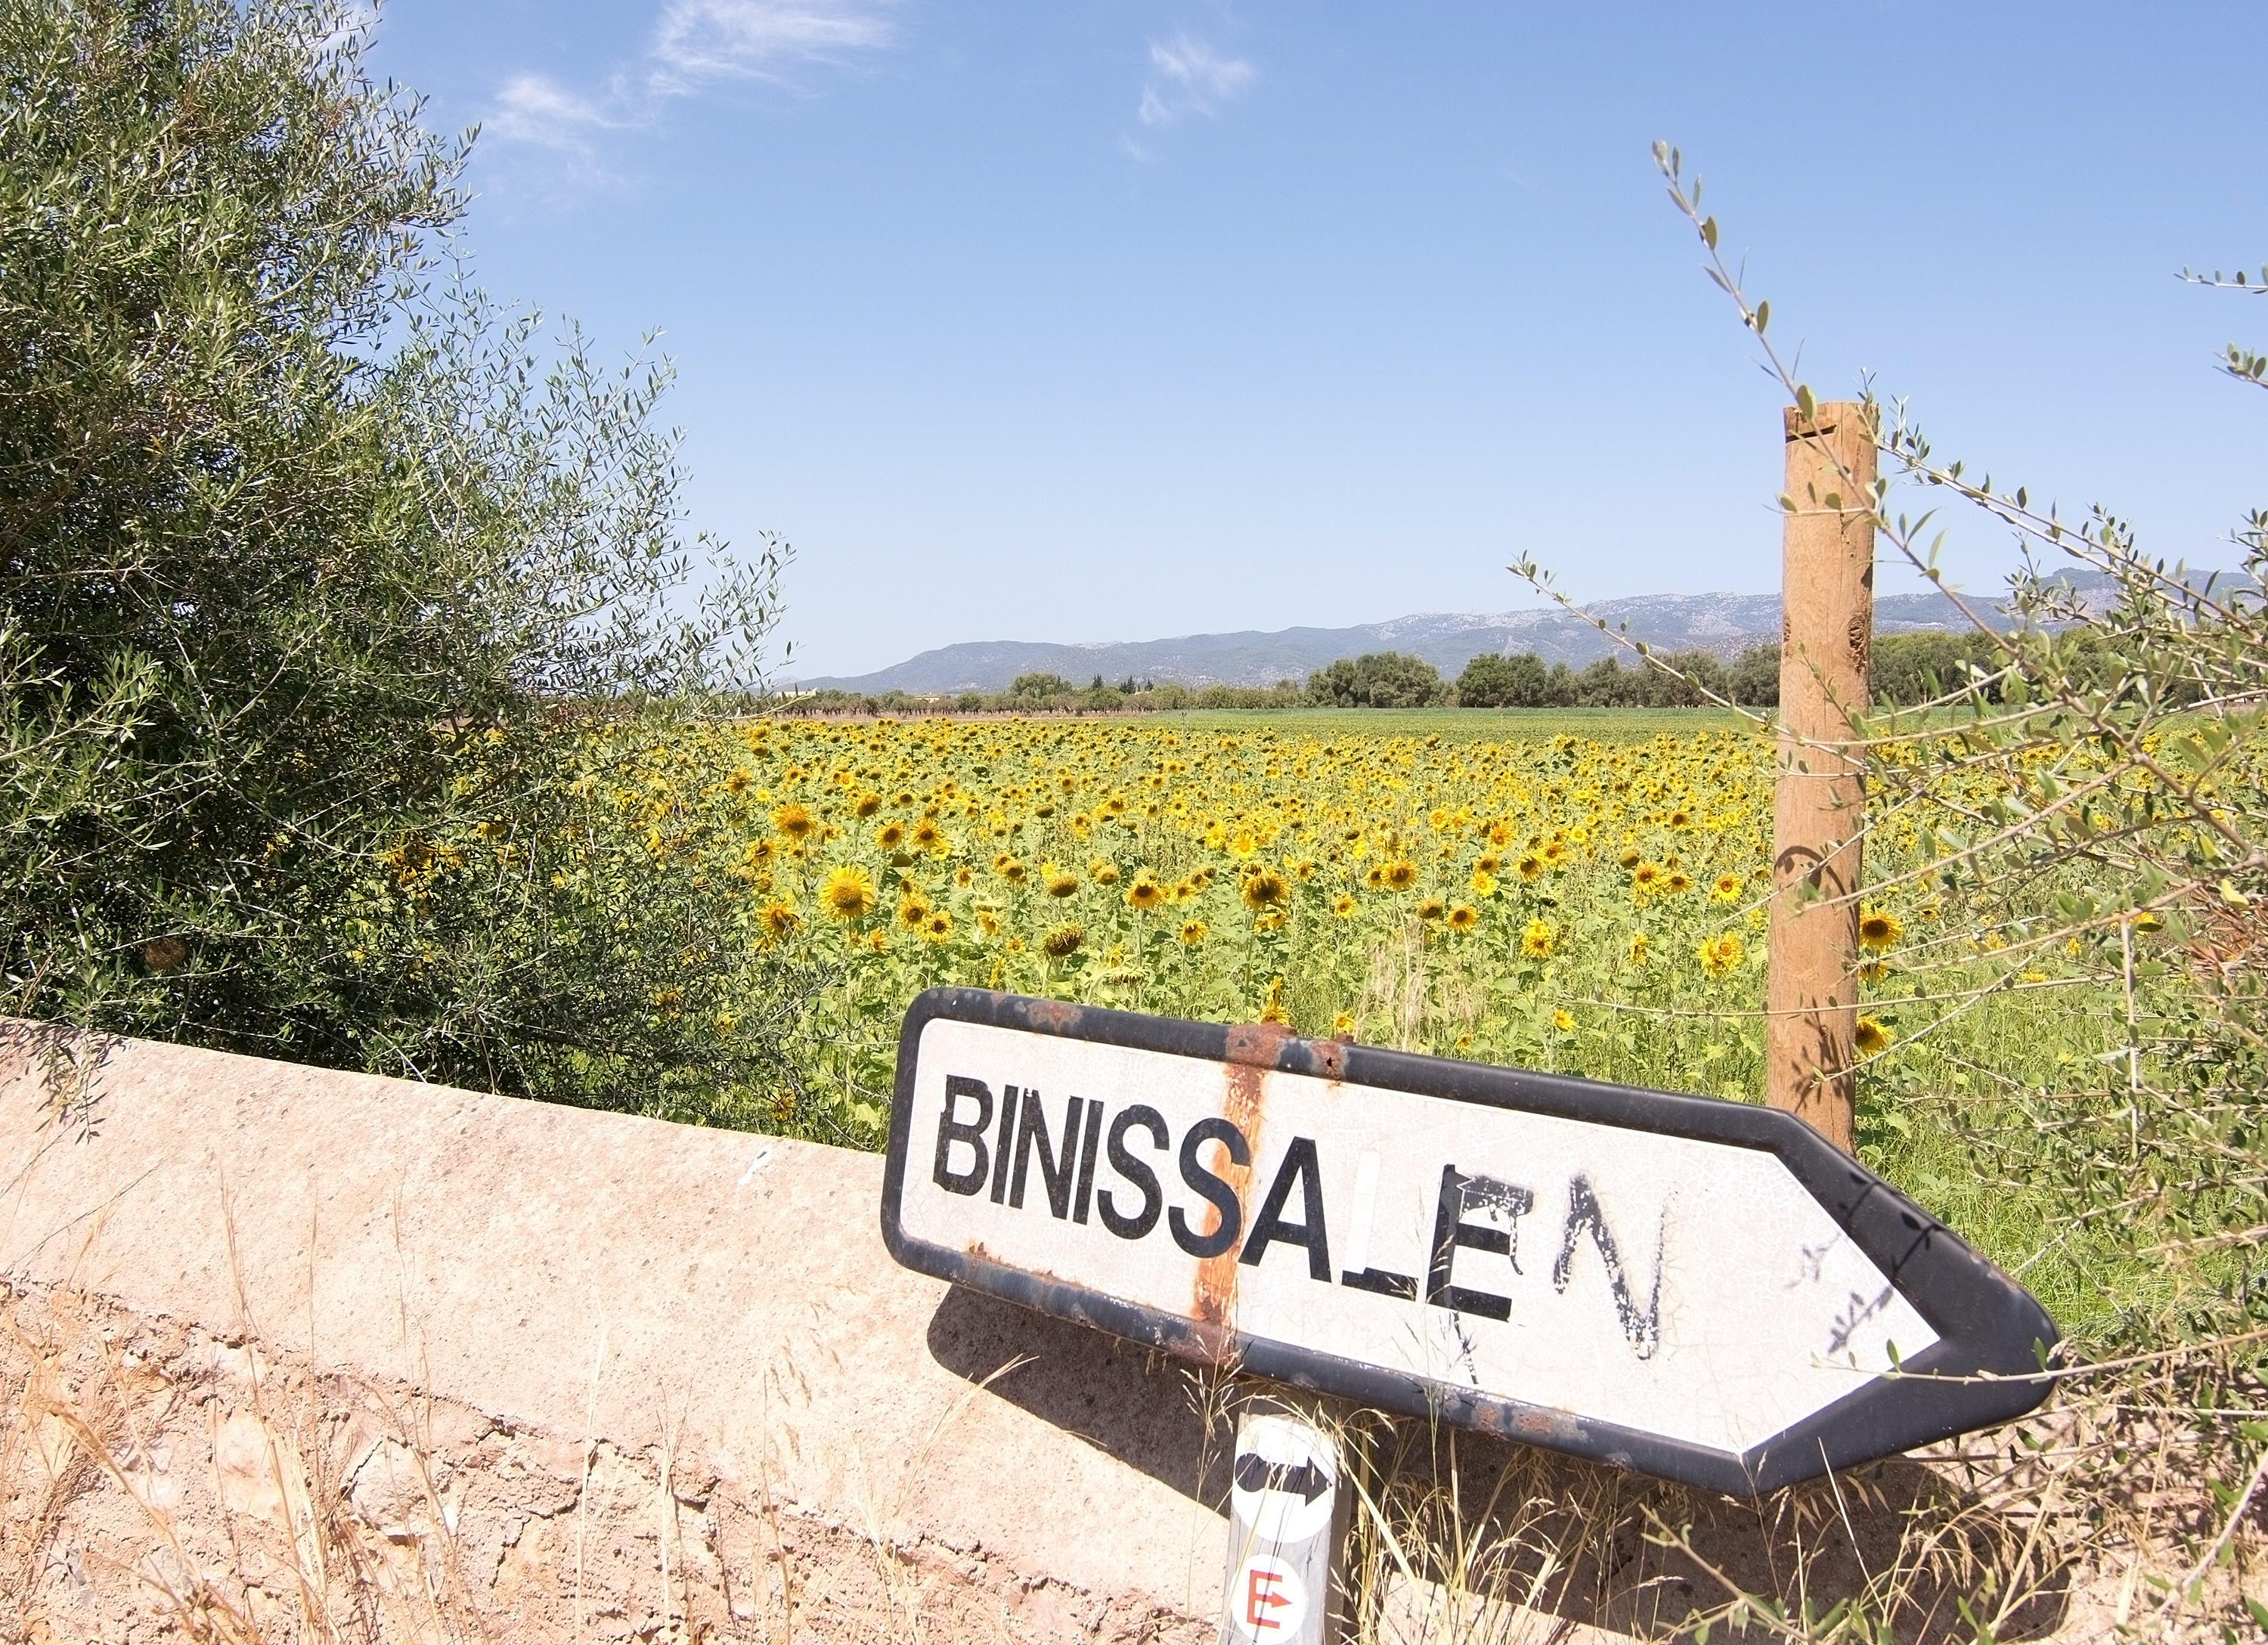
1431,909
927,835
1463,917
890,836
1538,941
1145,894
1638,947
1059,881
778,921
1564,1020
1062,942
1879,928
1343,1024
938,926
1645,876
1719,954
847,893
1272,1009
1727,889
1873,1038
867,805
1530,866
1679,883
1263,888
1483,881
1400,874
1680,819
1193,932
1009,869
795,821
913,911
1104,872
1629,859
1343,905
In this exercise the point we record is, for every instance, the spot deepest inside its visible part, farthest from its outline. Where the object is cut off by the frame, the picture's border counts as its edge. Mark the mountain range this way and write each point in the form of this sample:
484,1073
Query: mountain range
1723,624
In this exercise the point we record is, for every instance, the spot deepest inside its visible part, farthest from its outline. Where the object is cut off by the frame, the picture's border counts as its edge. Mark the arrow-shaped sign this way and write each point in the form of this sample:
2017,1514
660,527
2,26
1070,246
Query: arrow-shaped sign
1700,1289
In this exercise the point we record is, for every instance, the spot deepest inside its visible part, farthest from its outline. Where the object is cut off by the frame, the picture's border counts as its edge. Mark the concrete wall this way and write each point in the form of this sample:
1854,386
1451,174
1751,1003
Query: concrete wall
594,1274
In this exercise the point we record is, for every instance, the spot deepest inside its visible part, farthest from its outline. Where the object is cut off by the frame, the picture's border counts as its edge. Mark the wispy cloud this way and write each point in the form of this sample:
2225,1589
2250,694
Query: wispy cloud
694,43
532,109
699,39
1191,78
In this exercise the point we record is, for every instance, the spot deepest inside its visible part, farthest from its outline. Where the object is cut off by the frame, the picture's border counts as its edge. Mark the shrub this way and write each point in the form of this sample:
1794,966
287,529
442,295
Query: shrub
1383,679
308,560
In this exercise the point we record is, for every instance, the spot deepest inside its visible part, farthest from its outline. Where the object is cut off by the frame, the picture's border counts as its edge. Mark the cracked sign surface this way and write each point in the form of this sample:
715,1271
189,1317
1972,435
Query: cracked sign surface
1657,1280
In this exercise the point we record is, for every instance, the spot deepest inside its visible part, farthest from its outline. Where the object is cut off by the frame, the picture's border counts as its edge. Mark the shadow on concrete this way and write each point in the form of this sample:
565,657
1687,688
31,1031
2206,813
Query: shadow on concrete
1133,1404
1511,1544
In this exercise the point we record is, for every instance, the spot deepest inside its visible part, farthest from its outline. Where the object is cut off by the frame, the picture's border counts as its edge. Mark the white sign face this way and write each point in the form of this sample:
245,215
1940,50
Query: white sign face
1618,1273
1686,1288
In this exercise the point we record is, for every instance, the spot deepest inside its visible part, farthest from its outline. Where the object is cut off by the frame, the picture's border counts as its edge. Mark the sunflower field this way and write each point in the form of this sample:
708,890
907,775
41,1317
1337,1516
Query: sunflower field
1582,904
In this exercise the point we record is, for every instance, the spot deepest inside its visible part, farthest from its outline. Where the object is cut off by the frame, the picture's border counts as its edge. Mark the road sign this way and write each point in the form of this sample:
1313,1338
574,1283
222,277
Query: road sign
1699,1289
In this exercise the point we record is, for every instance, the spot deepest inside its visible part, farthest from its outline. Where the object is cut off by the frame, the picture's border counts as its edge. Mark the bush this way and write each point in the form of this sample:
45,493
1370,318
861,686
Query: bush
1501,682
1383,679
307,561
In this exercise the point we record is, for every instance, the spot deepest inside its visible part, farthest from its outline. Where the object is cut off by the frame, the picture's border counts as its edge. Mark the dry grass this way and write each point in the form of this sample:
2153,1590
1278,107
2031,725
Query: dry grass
159,1482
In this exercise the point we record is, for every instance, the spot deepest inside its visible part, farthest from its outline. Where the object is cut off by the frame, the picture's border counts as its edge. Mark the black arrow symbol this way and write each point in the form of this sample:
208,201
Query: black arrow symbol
1256,1472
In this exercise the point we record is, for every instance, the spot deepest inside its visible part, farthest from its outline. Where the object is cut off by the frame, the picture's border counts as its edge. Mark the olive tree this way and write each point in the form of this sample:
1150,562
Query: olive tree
311,560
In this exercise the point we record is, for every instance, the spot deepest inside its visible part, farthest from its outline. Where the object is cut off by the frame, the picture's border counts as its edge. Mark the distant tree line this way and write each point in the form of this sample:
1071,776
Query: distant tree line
1906,670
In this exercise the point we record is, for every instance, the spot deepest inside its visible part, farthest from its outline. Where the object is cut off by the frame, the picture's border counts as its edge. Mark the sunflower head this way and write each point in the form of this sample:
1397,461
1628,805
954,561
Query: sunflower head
1146,894
1193,932
796,822
847,893
1719,954
1343,905
1538,941
938,926
890,836
1060,882
1879,928
1463,917
1873,1038
1431,909
1062,942
867,805
1263,888
1400,874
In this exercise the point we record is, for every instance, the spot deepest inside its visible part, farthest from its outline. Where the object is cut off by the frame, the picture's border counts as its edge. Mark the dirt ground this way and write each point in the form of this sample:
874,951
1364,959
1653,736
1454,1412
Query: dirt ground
160,1482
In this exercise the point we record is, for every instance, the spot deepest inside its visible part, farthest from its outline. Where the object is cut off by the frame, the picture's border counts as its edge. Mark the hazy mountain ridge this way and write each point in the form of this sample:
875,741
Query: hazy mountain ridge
1724,623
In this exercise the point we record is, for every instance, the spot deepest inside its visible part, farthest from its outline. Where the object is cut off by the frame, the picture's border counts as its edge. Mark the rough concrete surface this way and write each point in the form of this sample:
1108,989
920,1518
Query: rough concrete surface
574,1274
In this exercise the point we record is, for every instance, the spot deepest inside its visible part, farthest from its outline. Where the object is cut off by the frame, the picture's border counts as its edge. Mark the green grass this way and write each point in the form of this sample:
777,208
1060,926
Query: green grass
1457,725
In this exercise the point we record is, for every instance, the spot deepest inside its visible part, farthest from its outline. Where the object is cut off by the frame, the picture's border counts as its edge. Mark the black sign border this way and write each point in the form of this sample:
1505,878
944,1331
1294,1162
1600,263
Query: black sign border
1991,1334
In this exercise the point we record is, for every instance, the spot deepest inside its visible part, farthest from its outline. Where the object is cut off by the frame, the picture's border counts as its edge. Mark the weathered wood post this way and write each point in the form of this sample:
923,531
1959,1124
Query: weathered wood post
1819,804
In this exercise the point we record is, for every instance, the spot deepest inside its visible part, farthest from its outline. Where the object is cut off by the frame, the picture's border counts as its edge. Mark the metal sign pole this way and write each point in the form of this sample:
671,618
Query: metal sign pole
1287,1526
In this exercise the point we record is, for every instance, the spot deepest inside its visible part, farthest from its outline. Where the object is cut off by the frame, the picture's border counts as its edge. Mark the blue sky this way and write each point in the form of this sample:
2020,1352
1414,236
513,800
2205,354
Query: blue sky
1043,320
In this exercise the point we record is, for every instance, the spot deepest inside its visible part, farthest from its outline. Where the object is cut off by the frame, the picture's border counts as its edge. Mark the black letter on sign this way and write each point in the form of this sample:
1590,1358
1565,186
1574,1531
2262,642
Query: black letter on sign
950,1131
1141,1117
1055,1170
1214,1191
1584,1217
1088,1148
1006,1146
1461,1193
1269,1226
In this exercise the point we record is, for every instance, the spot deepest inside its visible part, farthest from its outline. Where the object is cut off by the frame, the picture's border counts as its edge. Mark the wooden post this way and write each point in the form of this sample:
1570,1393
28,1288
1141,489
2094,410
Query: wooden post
1819,805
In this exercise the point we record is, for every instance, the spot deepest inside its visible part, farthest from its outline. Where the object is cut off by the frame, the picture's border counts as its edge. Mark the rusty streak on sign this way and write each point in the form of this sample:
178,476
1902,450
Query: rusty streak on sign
1699,1289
